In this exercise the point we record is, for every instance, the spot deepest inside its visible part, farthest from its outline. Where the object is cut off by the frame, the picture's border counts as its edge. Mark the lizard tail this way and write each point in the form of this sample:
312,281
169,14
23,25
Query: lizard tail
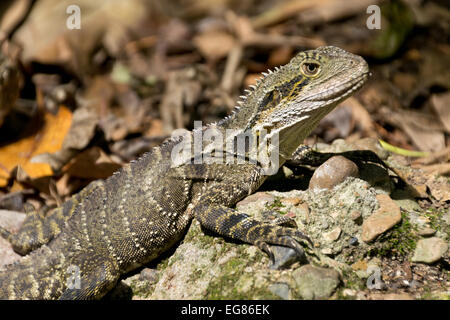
39,275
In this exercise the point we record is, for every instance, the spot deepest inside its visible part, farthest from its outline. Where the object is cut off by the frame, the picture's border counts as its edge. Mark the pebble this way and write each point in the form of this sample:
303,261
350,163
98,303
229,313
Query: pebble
353,241
426,231
332,172
284,257
387,216
291,201
349,293
280,289
263,197
355,215
429,250
333,235
316,282
151,275
446,218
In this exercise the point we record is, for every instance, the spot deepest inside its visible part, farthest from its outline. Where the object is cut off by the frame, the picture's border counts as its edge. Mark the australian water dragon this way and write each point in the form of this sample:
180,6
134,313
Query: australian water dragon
114,226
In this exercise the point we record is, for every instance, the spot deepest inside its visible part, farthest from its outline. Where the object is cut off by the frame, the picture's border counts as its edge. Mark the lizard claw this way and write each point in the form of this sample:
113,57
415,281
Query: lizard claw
282,246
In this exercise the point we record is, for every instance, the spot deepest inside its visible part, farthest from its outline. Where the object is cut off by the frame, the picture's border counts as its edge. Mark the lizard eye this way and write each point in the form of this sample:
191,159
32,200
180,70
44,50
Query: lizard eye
310,68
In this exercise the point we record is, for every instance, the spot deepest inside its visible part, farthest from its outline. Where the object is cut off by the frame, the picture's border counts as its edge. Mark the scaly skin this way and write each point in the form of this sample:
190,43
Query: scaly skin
117,225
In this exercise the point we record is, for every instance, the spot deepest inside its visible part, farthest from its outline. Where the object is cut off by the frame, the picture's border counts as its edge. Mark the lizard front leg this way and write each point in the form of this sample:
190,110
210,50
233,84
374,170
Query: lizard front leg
240,226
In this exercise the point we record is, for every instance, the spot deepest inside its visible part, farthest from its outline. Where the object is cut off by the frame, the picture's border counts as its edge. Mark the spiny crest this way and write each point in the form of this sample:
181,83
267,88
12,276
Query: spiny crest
252,88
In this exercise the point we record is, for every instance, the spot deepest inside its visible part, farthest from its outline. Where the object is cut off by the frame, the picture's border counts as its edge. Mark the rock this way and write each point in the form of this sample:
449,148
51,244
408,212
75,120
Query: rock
258,199
430,250
355,216
150,275
10,220
291,201
353,241
349,293
387,216
426,231
446,218
315,282
332,172
280,289
284,257
333,235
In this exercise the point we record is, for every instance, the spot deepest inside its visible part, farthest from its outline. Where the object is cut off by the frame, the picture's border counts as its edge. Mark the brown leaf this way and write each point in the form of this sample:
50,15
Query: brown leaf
439,188
49,138
54,43
441,104
423,129
91,164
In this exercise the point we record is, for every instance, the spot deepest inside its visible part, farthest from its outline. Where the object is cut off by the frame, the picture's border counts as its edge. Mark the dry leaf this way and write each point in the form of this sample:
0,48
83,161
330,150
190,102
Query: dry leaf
91,164
441,104
48,139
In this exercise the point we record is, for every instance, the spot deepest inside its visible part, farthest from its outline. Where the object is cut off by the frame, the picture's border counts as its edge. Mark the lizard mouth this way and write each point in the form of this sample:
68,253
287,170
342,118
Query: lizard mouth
341,91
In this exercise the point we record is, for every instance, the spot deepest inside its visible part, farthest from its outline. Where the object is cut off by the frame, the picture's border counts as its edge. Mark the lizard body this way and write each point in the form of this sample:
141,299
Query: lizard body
114,226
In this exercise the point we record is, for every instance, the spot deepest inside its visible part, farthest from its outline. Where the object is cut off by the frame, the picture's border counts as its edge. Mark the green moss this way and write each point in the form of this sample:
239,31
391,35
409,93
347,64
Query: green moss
142,288
276,206
435,216
163,264
226,285
220,288
352,281
401,240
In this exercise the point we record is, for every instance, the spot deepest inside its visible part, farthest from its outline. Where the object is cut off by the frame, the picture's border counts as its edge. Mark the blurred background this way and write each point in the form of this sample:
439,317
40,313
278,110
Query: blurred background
77,101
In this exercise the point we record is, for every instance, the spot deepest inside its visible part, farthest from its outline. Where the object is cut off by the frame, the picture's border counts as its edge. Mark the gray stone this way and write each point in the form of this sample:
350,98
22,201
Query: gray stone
280,289
315,282
430,250
446,217
284,257
426,231
150,275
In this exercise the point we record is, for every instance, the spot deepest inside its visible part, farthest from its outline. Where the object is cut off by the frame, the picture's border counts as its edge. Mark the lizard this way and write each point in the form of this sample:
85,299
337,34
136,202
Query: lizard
117,225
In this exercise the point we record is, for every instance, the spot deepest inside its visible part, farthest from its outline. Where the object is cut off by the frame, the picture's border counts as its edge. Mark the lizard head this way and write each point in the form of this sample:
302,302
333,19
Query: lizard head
291,100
